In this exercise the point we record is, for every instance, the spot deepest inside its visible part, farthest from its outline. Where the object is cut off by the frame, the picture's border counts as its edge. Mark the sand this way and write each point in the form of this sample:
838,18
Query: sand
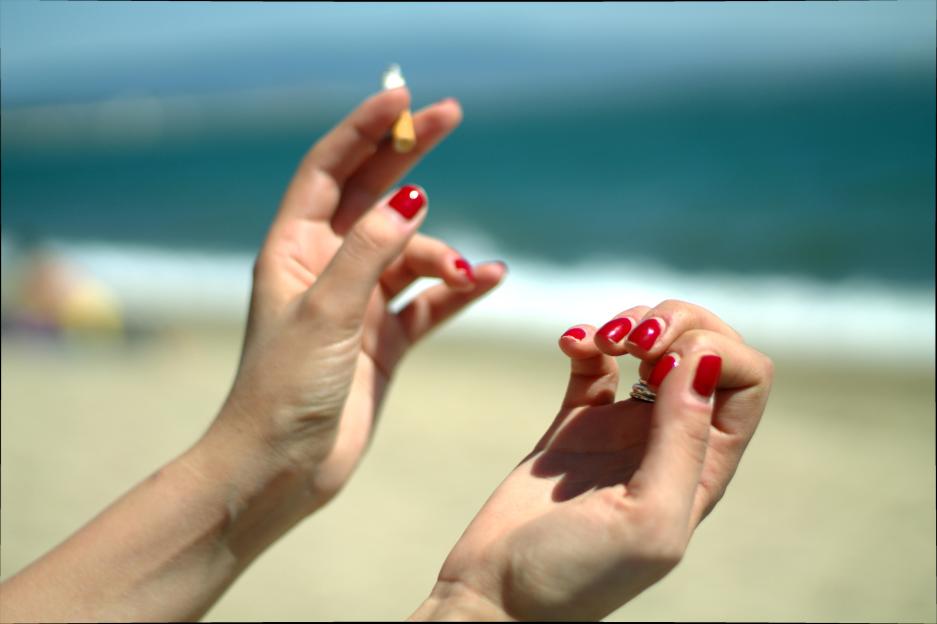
831,516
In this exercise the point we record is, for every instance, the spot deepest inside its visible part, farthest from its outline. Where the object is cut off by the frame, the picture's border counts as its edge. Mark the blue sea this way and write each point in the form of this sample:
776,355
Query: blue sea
819,190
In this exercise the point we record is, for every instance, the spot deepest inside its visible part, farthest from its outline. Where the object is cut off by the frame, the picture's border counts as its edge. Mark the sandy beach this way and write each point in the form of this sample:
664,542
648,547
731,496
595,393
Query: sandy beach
831,516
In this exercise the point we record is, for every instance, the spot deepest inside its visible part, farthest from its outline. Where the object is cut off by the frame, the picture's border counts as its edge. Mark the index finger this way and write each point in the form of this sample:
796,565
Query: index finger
382,170
668,320
316,187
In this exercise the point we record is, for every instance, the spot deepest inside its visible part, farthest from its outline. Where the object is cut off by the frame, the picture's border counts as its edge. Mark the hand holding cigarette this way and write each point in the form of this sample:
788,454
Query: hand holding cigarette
403,134
321,343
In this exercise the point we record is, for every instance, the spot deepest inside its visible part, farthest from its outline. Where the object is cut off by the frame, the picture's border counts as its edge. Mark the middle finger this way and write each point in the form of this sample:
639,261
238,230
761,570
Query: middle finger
382,170
663,323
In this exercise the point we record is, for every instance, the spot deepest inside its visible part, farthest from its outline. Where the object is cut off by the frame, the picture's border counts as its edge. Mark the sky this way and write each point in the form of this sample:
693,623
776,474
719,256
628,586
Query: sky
88,51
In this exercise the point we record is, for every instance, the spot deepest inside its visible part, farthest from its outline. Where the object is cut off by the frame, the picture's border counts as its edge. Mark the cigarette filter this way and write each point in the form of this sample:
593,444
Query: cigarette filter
403,134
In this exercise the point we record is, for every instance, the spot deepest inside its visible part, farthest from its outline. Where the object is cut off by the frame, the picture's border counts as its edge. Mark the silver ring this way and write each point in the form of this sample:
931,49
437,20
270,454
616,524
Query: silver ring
641,392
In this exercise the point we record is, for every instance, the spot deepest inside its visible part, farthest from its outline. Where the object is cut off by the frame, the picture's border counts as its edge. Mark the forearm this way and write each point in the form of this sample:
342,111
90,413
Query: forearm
168,548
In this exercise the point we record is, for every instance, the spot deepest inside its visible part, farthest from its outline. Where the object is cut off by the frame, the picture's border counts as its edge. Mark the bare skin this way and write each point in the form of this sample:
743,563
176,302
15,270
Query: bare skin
320,348
608,500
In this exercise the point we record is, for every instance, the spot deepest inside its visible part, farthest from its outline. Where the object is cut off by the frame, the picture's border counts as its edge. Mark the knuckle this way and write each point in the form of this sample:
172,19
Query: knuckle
715,495
732,446
662,537
673,314
315,307
695,438
321,307
690,409
767,367
693,418
370,238
694,341
327,317
674,308
671,304
666,552
641,313
655,514
637,311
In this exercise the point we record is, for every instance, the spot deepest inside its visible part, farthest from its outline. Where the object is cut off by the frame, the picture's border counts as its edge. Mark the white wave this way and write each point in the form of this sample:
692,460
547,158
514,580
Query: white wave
858,319
783,316
157,286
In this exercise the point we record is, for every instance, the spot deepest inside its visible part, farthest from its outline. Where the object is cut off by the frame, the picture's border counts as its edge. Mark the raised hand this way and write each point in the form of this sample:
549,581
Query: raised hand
320,347
321,343
607,501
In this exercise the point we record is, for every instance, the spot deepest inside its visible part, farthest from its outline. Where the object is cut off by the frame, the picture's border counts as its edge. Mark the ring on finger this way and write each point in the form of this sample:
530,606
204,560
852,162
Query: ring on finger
642,392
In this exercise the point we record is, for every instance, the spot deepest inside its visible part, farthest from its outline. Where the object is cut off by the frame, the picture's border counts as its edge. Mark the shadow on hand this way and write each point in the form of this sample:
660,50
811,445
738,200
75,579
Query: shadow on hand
595,447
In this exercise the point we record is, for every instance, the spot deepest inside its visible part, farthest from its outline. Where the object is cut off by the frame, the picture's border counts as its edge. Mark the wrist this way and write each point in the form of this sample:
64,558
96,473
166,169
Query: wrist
261,495
455,601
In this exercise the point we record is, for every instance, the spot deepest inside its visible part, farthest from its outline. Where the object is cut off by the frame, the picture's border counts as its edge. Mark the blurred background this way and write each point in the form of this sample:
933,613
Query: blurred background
773,162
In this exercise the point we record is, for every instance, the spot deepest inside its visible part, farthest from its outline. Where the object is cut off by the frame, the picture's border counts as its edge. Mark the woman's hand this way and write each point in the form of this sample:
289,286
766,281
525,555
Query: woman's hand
607,501
321,344
319,350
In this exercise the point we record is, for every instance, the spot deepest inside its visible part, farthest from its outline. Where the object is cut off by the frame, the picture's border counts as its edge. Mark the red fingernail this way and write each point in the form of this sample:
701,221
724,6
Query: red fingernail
664,366
707,375
576,332
616,329
462,266
407,201
645,334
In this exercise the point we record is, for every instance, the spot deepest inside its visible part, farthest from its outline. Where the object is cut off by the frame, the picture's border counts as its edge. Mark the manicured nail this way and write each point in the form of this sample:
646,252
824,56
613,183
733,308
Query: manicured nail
663,366
462,266
616,329
576,332
707,375
407,201
645,334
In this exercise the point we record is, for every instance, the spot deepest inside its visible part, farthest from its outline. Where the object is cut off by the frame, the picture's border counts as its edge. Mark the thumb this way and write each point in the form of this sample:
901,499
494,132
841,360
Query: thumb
679,434
380,235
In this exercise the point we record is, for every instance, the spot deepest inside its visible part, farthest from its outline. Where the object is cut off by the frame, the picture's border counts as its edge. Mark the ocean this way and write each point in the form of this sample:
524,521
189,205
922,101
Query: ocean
768,199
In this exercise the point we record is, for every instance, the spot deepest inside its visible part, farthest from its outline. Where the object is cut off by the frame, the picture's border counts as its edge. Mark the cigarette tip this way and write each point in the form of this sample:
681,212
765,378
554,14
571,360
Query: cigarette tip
393,77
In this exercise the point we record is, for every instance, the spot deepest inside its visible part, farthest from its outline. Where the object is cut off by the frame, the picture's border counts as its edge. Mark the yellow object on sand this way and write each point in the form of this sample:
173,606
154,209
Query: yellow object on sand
90,306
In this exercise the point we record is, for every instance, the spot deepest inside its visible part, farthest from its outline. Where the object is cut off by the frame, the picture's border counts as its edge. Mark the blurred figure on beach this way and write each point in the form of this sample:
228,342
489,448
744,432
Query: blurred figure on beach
55,297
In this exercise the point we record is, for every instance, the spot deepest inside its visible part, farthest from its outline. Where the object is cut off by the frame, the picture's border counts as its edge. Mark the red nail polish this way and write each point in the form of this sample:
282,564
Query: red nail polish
663,366
576,332
462,266
408,201
615,329
707,375
645,334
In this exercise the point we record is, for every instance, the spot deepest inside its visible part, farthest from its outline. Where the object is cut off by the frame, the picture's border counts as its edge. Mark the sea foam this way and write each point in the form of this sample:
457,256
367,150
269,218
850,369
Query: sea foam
785,316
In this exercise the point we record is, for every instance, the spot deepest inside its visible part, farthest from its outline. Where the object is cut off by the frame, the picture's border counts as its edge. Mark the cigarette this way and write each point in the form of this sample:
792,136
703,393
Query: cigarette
402,133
